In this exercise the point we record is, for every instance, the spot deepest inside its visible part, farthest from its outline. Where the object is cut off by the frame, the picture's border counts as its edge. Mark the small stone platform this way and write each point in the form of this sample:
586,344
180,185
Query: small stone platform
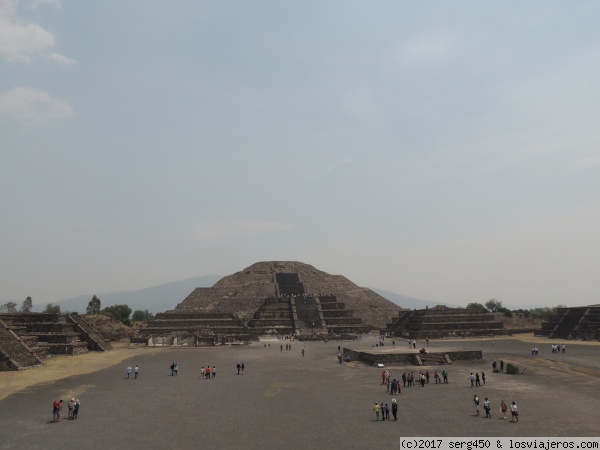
401,355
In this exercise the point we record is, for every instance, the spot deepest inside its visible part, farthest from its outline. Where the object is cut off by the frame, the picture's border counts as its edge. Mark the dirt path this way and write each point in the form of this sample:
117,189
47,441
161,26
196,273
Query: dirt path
59,367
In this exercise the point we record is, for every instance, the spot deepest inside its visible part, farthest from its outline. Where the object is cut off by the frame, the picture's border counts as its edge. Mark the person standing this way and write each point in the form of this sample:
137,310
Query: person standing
176,368
57,410
208,372
239,366
503,408
128,370
476,403
202,372
376,408
445,376
404,379
136,372
243,367
387,412
514,412
472,379
70,406
477,382
76,409
483,377
394,409
214,372
172,367
486,407
302,352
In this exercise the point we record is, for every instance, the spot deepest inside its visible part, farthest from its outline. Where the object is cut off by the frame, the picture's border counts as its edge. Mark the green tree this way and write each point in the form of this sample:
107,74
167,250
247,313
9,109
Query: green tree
9,307
440,307
476,305
94,306
53,309
118,312
493,305
27,305
142,316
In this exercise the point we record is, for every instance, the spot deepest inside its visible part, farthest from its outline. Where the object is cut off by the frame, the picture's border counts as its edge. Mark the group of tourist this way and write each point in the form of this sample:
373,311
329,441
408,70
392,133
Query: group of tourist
135,370
476,380
392,386
514,410
384,410
208,373
57,408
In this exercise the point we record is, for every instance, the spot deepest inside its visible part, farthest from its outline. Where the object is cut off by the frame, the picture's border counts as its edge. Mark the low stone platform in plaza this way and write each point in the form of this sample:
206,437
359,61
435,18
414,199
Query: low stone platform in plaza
389,354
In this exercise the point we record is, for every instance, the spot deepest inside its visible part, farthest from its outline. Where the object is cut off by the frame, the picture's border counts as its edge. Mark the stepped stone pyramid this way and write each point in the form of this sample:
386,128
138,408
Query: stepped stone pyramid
580,322
284,297
28,338
438,323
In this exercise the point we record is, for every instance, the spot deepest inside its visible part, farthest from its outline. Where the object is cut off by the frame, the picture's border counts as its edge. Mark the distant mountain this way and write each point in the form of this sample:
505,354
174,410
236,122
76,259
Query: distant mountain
166,296
409,302
155,299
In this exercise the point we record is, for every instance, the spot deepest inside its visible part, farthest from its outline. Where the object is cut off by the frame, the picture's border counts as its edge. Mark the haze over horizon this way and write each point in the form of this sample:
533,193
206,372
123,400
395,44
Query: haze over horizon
441,151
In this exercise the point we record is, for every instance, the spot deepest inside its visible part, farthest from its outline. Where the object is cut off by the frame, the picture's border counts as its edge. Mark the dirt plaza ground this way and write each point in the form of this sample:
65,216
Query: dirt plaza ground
288,401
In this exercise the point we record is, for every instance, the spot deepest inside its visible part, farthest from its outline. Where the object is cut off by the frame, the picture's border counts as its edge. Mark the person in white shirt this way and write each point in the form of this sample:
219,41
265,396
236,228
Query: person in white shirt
514,412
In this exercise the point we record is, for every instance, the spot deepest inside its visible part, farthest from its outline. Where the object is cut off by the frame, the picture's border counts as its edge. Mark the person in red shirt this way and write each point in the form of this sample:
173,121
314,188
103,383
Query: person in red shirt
208,372
57,410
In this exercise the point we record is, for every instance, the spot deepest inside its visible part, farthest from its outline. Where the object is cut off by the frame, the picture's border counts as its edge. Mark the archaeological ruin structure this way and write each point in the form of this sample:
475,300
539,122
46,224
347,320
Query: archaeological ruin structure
444,322
581,322
26,339
272,297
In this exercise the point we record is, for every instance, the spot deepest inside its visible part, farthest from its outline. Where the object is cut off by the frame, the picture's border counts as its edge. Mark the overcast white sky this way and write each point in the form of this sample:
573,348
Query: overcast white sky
447,151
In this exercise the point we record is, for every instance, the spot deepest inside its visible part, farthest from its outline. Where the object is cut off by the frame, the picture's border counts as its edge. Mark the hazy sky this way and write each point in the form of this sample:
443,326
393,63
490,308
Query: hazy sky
442,150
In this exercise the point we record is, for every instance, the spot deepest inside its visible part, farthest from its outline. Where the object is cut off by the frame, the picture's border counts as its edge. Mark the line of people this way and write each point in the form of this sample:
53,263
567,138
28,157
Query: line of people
384,410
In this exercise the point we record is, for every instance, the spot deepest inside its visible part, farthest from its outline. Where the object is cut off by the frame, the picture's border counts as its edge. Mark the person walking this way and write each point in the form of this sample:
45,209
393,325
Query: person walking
175,368
387,412
394,409
445,376
136,372
172,367
214,372
376,408
514,411
477,382
239,366
128,371
302,352
503,409
486,407
243,367
483,377
472,379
